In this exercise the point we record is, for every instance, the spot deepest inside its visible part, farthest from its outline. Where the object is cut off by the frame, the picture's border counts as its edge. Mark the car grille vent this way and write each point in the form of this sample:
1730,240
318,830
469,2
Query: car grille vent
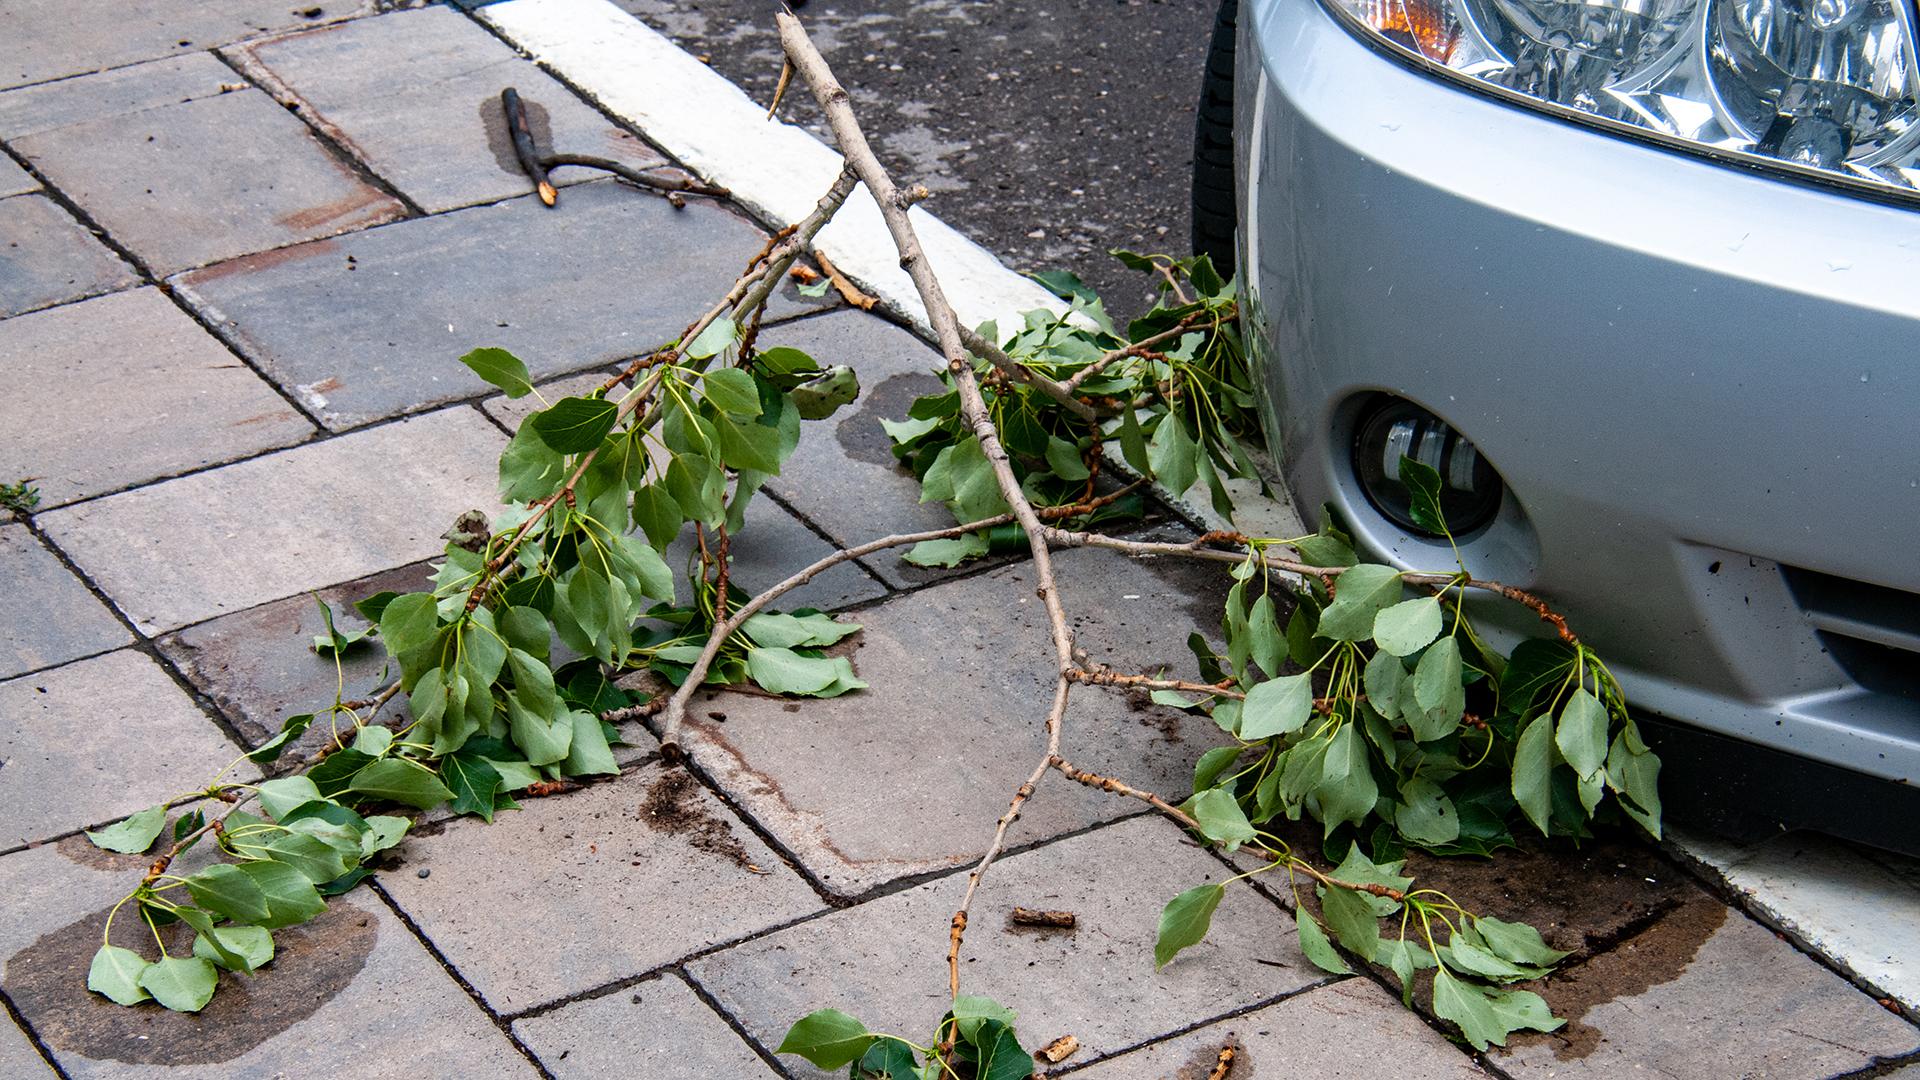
1871,631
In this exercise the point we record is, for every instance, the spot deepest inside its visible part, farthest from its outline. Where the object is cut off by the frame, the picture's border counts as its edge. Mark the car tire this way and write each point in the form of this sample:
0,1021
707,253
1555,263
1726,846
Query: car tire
1214,205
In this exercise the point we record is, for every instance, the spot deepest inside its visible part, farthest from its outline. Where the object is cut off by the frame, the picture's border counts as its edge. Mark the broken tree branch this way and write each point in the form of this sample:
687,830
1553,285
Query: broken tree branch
838,108
522,138
665,184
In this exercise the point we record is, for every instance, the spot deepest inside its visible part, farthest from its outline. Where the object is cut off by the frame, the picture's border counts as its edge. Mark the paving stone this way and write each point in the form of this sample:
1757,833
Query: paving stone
564,288
230,538
959,679
110,735
177,399
1707,992
192,181
47,616
48,41
885,961
14,180
48,258
259,666
608,883
1349,1029
18,1058
416,95
658,1030
351,994
1855,908
844,477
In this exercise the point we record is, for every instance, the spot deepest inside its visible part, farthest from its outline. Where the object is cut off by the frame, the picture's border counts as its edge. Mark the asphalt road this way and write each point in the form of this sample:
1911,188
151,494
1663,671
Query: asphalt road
1049,130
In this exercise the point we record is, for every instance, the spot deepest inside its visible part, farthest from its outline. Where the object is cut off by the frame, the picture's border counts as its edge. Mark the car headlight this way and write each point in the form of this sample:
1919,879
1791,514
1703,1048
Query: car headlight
1820,85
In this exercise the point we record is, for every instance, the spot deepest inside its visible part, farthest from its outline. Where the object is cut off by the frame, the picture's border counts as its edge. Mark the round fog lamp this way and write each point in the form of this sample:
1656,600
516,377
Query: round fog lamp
1470,489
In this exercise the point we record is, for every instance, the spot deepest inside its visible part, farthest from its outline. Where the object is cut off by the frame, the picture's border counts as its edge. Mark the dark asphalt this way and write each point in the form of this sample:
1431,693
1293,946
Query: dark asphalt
1049,130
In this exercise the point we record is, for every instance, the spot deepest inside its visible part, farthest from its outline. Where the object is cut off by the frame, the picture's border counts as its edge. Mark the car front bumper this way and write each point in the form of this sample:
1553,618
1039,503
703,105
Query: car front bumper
1700,383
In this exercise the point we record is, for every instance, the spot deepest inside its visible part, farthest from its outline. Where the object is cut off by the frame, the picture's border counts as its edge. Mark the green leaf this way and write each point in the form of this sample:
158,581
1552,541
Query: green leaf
575,425
656,514
1276,707
1423,488
1517,942
115,972
972,1012
1313,942
1636,776
1171,455
590,600
1487,1015
291,898
1133,444
822,395
1212,764
1352,920
1360,594
402,781
502,369
999,1055
281,795
133,835
1427,815
827,1038
543,738
409,622
183,984
783,671
1409,626
293,728
1347,790
373,740
747,445
783,360
716,336
1438,691
533,683
947,552
529,470
383,831
1581,733
588,753
1064,459
1533,772
474,782
732,391
1221,819
315,859
1356,867
253,945
886,1059
1185,920
1268,646
1384,676
225,890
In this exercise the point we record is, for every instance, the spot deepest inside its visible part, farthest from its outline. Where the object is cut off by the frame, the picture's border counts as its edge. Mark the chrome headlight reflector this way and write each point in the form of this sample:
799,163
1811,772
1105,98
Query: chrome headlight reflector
1821,86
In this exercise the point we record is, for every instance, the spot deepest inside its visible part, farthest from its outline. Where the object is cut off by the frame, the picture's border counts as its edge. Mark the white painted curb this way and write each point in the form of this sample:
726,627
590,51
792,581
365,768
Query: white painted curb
774,169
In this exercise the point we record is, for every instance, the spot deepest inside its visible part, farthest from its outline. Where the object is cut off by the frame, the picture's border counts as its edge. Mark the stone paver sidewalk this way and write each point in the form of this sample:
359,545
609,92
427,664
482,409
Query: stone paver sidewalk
245,243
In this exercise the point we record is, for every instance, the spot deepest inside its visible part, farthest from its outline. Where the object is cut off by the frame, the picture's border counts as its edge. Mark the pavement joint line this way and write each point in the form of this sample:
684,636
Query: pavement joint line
887,591
33,1036
502,1023
774,169
141,642
707,999
148,277
258,76
1243,1010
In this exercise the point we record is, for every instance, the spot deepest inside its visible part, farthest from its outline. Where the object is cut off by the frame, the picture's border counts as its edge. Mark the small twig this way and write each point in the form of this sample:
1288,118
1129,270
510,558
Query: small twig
1222,1063
1052,920
1058,1050
1223,688
212,825
1014,369
1143,346
848,291
670,185
523,148
780,88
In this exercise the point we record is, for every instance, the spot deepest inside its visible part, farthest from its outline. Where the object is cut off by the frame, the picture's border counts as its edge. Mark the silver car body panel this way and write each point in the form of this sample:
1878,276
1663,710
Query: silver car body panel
1700,382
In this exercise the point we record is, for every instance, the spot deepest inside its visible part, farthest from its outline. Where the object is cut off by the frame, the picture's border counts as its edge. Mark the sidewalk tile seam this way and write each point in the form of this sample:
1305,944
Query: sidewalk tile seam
502,1023
1330,980
765,1053
330,137
887,592
147,277
12,1012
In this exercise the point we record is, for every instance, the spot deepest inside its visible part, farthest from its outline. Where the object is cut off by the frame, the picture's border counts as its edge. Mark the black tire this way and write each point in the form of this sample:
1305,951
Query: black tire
1214,205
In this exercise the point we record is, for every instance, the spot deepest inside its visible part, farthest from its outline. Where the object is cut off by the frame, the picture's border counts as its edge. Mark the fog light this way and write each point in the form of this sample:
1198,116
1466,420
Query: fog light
1470,489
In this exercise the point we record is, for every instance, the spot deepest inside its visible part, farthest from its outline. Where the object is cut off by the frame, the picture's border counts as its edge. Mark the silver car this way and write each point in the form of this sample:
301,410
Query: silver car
1641,279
